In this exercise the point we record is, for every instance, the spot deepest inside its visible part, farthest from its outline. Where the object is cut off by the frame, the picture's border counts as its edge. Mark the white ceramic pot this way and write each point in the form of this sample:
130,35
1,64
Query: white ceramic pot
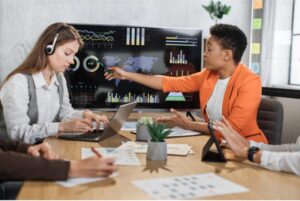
142,133
157,150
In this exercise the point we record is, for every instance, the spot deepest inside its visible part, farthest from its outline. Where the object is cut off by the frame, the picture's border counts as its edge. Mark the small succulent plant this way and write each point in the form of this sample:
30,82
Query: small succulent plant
158,131
144,120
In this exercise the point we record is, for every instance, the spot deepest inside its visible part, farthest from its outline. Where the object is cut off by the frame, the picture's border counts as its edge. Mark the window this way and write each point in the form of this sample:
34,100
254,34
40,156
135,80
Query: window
294,78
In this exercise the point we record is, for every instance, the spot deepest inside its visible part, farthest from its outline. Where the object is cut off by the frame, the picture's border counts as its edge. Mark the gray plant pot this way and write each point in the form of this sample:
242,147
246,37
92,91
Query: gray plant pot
142,133
157,150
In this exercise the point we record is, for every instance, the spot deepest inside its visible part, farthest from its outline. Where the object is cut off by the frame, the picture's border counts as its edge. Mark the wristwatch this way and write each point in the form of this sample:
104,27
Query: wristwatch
251,152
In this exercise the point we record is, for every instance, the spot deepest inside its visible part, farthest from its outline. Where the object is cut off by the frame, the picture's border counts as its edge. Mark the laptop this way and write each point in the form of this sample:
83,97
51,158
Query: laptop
207,154
113,127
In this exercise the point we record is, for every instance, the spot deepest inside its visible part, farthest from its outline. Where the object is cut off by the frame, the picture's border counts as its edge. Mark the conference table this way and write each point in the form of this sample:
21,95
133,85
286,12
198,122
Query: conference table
262,183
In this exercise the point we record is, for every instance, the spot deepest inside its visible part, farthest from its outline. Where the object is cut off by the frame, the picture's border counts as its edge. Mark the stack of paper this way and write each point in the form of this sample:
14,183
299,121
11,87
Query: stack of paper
172,149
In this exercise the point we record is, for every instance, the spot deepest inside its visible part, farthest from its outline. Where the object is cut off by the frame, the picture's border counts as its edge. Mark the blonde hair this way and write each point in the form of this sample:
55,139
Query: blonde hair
37,60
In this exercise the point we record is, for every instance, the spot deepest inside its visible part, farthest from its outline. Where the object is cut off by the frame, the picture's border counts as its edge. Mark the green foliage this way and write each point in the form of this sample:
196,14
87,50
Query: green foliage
158,131
217,10
144,120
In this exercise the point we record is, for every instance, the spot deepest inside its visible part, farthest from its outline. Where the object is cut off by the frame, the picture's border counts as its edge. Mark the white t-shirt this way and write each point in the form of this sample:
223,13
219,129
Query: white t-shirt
215,102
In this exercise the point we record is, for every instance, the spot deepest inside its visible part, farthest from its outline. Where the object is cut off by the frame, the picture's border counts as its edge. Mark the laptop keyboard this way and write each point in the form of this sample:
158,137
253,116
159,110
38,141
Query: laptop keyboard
89,135
92,135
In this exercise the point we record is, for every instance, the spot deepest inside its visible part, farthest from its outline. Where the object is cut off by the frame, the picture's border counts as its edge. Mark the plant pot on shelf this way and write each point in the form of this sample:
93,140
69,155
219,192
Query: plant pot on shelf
142,133
157,150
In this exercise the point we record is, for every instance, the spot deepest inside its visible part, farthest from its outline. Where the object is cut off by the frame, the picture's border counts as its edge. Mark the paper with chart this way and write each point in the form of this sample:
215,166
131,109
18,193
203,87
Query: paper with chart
71,182
172,149
188,187
122,156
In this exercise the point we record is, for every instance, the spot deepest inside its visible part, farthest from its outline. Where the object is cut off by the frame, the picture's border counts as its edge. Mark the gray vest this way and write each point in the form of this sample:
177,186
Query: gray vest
32,112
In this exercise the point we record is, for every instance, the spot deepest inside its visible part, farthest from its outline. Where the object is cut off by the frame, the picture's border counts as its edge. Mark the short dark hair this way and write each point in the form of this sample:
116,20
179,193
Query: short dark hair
230,37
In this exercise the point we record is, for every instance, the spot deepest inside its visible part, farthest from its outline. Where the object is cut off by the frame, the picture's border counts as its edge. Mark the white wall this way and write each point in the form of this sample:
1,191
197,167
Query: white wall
21,21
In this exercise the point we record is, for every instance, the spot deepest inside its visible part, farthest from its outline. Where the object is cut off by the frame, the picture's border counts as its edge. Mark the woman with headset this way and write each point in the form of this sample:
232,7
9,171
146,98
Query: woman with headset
34,96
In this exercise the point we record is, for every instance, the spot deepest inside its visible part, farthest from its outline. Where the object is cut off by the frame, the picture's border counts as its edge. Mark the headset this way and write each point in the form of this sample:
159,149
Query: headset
50,48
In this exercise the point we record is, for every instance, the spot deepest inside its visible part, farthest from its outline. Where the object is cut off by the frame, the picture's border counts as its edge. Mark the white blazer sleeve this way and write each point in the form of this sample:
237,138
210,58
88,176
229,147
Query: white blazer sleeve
276,148
281,161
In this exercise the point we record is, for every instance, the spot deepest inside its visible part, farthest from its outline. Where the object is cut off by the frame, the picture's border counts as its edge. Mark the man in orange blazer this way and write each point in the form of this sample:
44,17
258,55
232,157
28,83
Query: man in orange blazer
226,87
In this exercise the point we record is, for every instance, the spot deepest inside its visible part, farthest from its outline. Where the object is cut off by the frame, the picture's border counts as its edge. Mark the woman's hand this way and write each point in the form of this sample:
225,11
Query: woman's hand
92,117
237,143
92,167
115,73
177,119
75,125
44,150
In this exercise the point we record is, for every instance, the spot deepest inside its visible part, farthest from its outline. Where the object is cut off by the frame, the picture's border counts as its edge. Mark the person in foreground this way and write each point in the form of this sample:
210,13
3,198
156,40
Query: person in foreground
284,157
20,161
226,87
35,97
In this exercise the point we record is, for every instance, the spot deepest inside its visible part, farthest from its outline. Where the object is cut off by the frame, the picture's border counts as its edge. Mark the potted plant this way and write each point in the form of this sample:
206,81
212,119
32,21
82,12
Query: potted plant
217,10
142,133
157,147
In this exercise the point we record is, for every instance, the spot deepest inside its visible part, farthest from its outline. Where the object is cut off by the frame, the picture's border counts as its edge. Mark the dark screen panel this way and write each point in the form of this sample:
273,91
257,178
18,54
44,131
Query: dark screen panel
147,50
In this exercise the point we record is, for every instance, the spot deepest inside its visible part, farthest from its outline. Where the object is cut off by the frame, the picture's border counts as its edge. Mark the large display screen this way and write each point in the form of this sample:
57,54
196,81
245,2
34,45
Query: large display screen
147,50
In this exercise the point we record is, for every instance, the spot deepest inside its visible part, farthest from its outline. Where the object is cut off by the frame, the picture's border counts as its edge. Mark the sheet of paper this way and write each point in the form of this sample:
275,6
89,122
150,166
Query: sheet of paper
258,4
129,126
255,67
188,187
121,156
172,149
180,132
255,48
78,181
256,23
176,131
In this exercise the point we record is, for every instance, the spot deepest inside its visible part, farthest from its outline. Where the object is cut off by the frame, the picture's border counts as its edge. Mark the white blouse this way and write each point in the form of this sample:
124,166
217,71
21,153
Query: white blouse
14,98
215,102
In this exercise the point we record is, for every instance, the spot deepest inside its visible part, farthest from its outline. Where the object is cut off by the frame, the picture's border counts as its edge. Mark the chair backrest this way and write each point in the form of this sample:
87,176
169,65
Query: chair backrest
270,118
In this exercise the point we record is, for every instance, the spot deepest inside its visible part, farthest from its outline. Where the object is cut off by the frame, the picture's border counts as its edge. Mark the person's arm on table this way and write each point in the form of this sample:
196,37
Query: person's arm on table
39,162
278,161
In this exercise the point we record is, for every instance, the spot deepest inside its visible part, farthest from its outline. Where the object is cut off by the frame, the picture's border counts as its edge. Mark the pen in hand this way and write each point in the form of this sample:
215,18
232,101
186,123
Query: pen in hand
96,152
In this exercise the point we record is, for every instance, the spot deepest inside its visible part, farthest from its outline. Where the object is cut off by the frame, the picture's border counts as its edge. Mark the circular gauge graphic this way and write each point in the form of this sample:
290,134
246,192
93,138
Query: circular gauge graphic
90,63
74,67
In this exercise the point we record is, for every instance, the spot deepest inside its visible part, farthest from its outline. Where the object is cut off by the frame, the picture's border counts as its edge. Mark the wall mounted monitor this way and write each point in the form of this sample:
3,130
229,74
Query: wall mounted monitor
147,50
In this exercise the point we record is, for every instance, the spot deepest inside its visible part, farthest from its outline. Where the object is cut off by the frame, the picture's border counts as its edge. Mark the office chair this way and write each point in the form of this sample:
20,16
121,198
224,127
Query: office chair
270,118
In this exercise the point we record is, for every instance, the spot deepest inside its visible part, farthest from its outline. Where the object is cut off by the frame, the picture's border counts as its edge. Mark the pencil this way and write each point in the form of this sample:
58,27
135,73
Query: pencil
96,152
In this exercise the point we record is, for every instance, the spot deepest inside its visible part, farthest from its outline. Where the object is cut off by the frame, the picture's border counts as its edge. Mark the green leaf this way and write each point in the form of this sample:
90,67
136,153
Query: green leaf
158,131
217,10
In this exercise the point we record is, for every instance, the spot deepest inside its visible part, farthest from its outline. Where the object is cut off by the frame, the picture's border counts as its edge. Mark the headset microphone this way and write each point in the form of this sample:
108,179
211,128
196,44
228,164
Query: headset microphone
50,48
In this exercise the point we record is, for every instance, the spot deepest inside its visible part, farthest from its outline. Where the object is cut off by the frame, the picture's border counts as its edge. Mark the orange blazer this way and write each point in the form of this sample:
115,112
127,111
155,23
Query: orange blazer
241,99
